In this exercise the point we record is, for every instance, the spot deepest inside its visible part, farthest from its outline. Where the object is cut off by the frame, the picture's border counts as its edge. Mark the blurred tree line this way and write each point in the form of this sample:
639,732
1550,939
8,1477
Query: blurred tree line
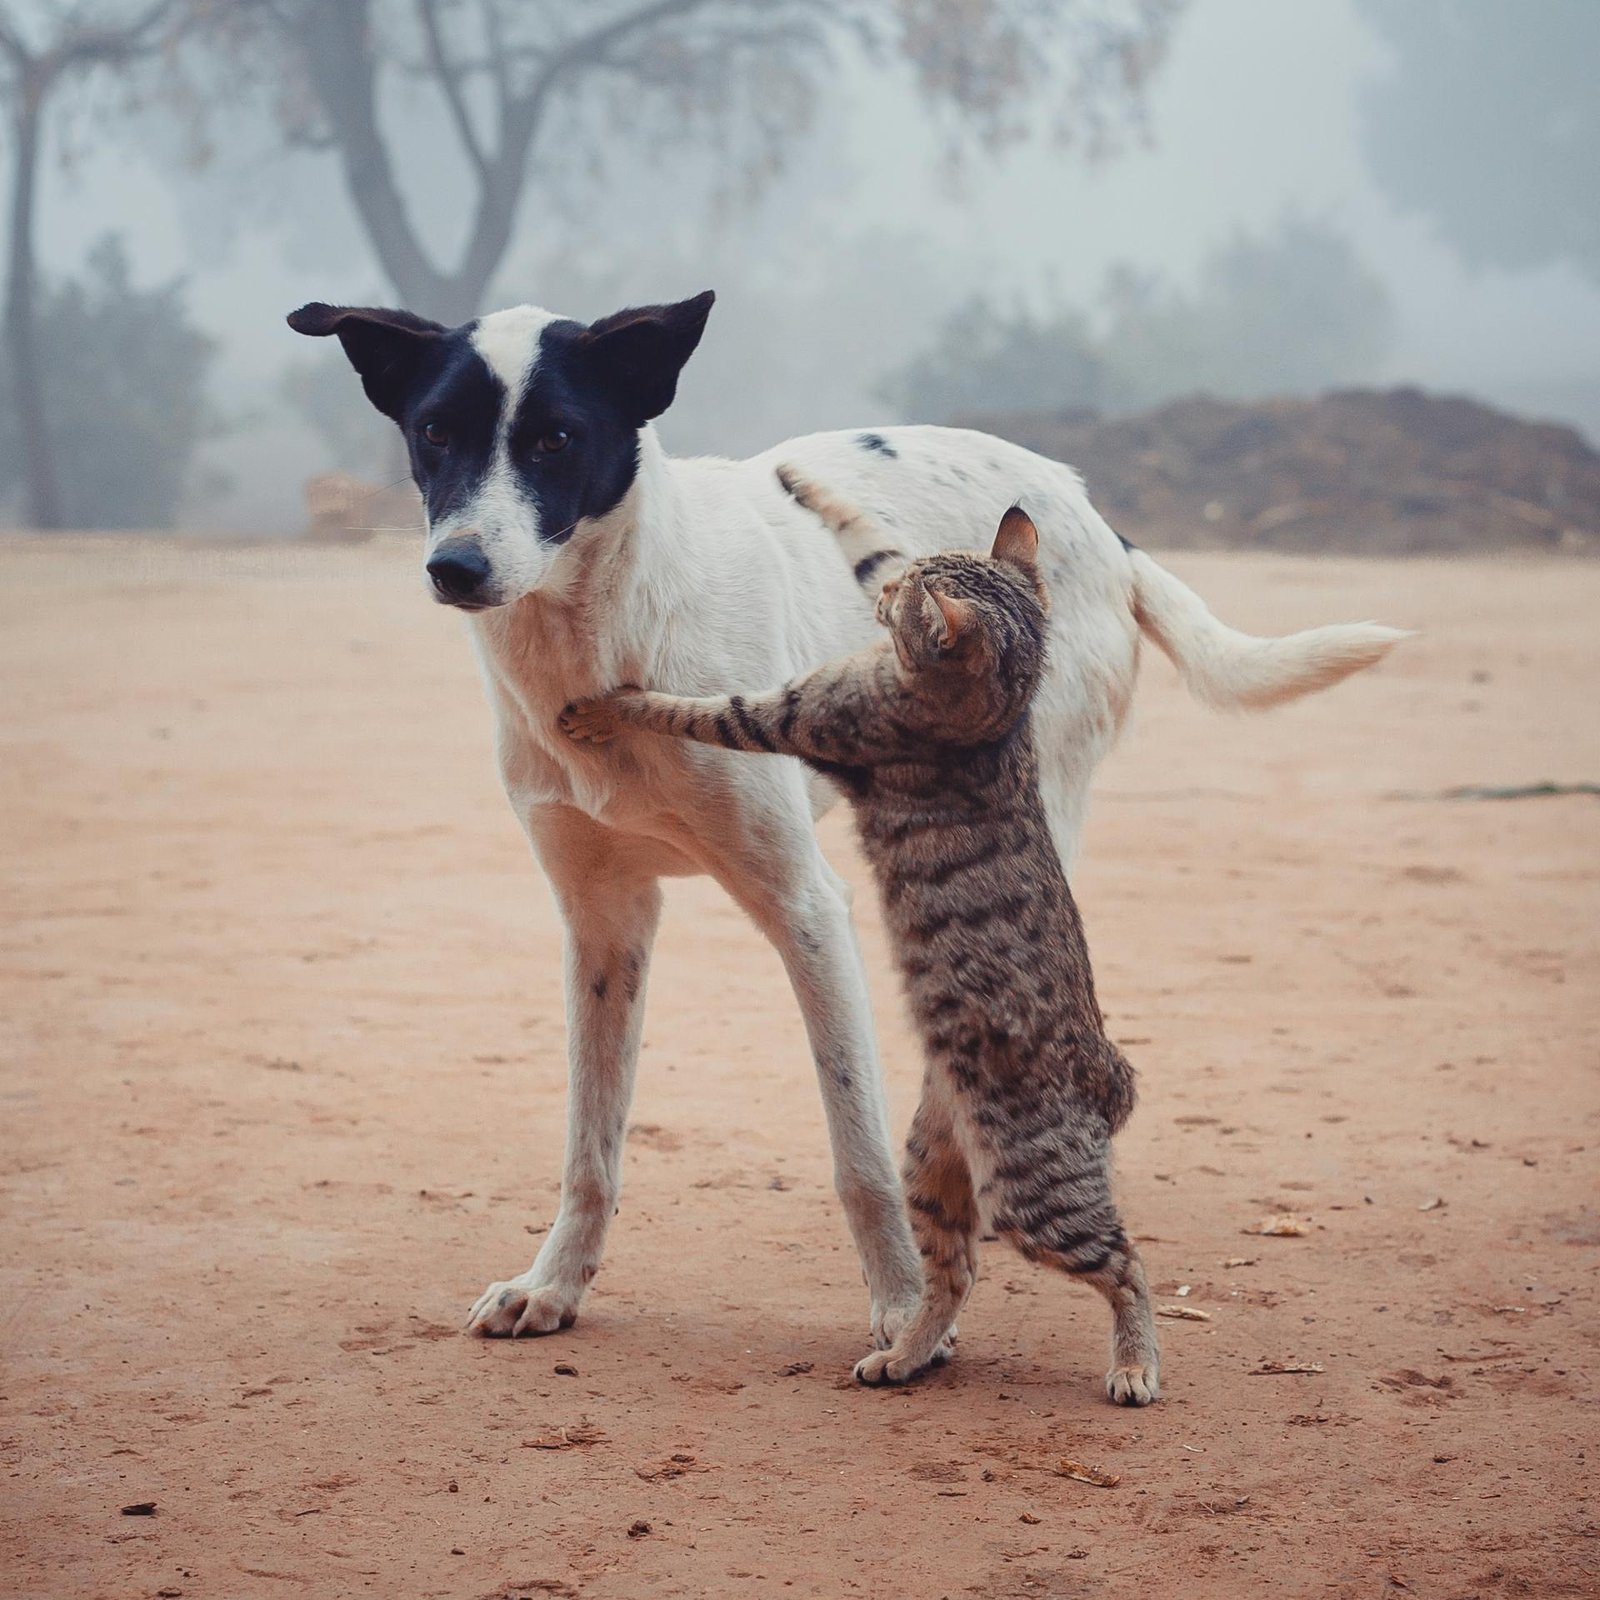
123,401
47,49
1486,122
1287,313
532,93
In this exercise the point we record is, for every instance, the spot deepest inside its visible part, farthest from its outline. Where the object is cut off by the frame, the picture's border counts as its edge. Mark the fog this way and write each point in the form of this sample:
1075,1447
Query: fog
846,265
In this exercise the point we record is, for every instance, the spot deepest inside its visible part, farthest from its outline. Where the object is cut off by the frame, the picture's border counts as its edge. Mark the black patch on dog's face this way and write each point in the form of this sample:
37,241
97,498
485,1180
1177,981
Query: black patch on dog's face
572,450
567,452
572,446
459,397
591,473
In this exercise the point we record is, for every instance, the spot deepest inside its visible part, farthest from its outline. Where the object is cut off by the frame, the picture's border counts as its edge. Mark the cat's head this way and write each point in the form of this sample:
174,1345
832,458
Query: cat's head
971,628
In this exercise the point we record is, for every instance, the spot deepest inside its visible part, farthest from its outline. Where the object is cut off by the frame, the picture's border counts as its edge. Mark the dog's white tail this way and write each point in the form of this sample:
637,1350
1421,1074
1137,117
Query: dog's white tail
1236,671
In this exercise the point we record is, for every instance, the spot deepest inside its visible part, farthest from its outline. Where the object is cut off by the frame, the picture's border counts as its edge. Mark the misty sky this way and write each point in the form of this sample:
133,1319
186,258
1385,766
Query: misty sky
848,265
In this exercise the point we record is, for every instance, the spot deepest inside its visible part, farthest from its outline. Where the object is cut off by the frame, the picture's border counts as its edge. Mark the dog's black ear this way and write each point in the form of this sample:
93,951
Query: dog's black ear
639,353
385,347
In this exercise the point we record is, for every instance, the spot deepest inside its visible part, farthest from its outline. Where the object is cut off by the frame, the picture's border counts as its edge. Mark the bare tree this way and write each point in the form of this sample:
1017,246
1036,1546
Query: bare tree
67,42
742,74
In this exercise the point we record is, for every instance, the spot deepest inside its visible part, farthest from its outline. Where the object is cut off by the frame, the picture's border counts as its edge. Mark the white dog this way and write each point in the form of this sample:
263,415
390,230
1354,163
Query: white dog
589,558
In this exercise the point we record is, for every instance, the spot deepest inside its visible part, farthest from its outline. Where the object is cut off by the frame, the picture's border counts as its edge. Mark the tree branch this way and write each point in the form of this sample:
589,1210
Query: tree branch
590,46
12,43
520,117
499,62
106,43
525,111
449,77
332,41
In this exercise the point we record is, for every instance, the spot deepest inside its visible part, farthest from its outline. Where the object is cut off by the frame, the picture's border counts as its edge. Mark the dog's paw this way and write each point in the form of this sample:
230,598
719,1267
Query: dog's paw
590,721
880,1368
510,1310
1133,1386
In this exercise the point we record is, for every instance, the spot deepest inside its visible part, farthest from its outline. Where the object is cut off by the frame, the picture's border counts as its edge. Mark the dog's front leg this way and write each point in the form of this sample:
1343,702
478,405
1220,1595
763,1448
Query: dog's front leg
774,868
610,907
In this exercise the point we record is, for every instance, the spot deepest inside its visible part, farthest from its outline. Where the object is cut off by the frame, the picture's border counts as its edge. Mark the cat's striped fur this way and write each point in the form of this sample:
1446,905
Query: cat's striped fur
928,734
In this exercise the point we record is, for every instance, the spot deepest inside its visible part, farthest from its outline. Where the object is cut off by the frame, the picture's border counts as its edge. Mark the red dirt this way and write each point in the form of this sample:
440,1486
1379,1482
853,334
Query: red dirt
282,1090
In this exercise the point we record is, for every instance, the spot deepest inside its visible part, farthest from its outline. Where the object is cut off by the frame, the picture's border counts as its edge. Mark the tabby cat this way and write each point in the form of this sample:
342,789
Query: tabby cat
928,735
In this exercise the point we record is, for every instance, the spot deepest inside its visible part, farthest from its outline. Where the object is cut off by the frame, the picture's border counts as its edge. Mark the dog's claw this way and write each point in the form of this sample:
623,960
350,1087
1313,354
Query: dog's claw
512,1310
1132,1386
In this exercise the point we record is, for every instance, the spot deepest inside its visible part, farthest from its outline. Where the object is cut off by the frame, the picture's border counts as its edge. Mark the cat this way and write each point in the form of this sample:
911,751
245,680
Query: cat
927,732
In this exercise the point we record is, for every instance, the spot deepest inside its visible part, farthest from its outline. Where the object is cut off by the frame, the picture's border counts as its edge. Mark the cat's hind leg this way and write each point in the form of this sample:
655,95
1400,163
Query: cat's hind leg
944,1218
1055,1207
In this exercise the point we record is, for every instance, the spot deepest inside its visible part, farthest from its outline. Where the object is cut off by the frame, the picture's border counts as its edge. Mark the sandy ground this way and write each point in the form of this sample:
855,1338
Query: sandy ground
282,1089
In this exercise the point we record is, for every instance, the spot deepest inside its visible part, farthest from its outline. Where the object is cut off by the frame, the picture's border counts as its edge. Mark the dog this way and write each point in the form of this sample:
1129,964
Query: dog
586,557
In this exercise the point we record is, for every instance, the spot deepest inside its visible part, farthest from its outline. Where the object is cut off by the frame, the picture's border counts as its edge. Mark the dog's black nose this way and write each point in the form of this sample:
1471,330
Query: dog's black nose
459,570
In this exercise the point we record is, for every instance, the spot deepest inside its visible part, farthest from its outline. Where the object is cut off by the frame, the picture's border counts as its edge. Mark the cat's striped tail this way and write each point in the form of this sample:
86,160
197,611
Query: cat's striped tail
1235,671
860,538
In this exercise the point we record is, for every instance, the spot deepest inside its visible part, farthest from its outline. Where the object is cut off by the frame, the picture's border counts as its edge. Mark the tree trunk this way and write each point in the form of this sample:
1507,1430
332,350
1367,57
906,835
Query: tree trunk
336,46
42,493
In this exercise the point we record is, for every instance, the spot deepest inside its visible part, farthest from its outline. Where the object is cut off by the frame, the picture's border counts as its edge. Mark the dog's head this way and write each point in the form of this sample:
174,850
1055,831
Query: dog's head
522,426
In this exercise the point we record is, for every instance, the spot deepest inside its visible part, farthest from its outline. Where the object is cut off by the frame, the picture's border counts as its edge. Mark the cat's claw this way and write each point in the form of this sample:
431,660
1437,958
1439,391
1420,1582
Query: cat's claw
1132,1386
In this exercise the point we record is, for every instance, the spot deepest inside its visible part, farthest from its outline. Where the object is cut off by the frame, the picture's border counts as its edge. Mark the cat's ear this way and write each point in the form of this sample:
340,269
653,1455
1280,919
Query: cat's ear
949,621
1018,539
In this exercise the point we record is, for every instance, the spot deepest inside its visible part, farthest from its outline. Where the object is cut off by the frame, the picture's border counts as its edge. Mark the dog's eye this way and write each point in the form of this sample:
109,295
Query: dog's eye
552,441
436,436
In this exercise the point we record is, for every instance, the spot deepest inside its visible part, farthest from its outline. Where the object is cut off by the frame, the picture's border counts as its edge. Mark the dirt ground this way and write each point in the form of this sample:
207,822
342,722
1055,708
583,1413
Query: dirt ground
282,1090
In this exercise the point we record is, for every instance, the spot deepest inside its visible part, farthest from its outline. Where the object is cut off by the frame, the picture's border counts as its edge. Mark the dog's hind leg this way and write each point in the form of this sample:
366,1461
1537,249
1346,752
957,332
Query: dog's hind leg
610,906
774,868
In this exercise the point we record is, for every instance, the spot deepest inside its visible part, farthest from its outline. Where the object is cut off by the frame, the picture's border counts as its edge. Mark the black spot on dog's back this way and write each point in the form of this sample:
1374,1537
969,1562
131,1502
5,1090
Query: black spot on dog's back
878,445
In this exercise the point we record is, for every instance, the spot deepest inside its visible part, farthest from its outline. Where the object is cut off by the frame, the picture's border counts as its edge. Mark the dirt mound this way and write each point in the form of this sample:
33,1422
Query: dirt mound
1381,472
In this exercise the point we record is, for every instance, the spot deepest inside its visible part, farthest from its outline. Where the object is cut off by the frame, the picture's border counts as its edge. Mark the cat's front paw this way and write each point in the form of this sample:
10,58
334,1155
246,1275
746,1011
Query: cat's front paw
590,721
